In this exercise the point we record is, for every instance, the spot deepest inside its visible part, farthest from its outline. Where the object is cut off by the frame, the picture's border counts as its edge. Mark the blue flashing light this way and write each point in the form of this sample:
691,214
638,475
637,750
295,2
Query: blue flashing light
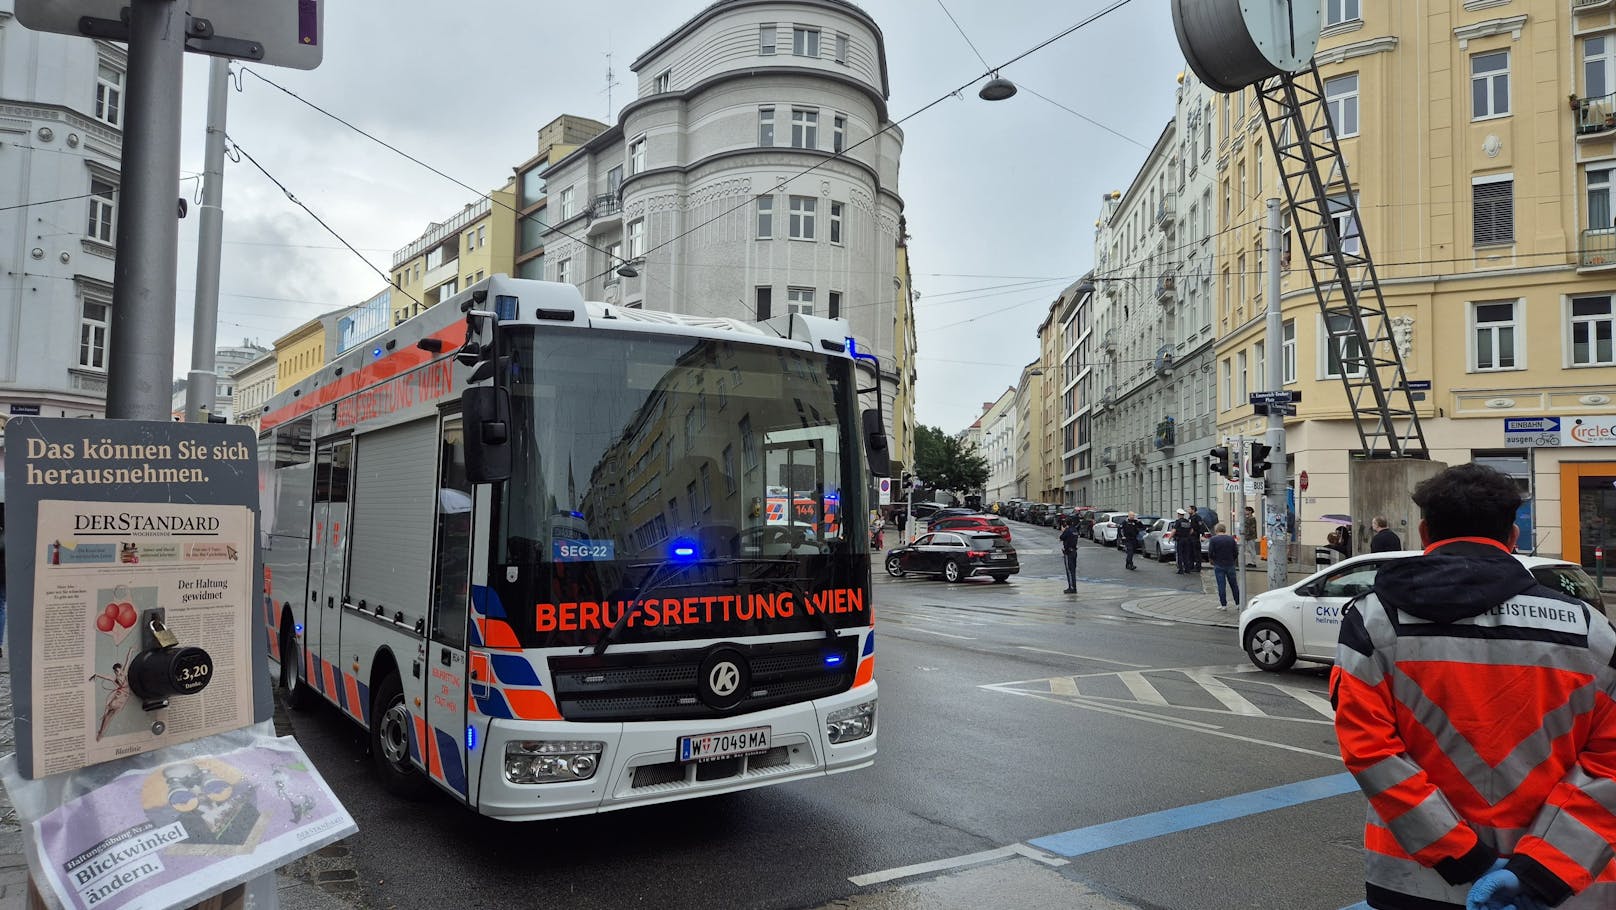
576,514
852,346
471,738
375,352
833,660
297,628
505,306
683,548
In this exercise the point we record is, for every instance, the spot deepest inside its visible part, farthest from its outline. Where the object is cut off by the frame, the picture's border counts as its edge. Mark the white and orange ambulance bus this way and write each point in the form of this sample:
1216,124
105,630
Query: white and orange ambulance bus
524,540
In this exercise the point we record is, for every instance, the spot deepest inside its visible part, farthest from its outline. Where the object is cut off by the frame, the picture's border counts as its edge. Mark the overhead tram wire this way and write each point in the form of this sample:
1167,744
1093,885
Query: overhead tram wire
1084,117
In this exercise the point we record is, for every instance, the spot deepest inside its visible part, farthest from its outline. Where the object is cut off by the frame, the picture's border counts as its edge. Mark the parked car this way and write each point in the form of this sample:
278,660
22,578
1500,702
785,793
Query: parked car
1035,512
1066,515
950,512
955,556
1085,520
1105,527
975,524
1160,544
1303,621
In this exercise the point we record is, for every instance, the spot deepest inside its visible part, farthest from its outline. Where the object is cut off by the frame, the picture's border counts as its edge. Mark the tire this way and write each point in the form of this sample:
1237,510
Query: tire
294,691
894,567
1000,578
390,744
953,571
1269,646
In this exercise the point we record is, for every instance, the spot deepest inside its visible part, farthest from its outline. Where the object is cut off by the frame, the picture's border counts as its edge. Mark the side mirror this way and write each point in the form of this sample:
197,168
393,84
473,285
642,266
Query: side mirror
486,412
876,450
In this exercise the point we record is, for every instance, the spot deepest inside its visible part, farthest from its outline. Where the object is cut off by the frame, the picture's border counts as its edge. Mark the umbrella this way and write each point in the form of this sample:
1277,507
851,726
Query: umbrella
1336,519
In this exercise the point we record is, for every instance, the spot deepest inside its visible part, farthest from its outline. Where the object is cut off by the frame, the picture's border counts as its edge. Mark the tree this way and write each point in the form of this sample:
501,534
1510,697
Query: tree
945,463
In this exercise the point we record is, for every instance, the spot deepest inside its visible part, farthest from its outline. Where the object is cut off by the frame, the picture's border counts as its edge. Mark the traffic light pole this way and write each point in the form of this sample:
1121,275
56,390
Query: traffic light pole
1276,478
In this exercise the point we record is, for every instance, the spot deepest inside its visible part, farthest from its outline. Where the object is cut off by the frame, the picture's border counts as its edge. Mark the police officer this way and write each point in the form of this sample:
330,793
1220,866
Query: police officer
1185,541
1068,541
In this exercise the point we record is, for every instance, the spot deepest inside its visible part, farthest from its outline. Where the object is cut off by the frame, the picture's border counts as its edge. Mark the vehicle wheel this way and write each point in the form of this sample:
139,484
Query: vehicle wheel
390,742
1000,578
1269,646
953,571
894,567
295,691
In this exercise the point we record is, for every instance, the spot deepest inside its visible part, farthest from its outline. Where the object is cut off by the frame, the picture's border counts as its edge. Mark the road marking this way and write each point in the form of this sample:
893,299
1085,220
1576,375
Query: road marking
1080,841
1160,720
1313,700
1103,660
1220,690
1063,685
944,634
944,865
1141,689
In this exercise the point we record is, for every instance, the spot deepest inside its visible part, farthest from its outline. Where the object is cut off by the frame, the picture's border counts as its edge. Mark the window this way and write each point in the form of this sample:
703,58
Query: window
614,258
1259,375
765,298
1599,211
94,321
471,241
802,217
1592,326
663,83
1339,11
765,126
1493,336
835,311
1341,100
765,218
1241,381
800,300
768,32
568,206
636,238
109,95
103,210
636,156
1598,67
564,271
729,469
1341,349
1228,385
1489,85
804,129
805,42
838,133
841,48
749,449
482,235
1346,225
614,181
1227,201
1494,210
835,222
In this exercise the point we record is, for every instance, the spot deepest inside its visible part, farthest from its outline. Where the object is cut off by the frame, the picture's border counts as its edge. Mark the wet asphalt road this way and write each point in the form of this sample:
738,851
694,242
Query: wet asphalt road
1008,713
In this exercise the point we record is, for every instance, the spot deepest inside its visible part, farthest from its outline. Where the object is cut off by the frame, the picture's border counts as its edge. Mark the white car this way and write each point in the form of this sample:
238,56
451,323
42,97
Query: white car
1105,527
1303,621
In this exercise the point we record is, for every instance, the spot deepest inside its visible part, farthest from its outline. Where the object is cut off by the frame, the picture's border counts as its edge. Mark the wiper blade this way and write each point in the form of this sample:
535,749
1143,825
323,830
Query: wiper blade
647,584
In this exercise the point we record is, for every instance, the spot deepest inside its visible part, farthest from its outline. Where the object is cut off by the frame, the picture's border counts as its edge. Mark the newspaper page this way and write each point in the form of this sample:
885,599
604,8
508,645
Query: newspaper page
101,565
188,829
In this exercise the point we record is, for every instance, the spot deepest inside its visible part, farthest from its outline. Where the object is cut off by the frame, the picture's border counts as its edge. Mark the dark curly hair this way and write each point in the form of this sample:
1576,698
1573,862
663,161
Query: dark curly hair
1468,500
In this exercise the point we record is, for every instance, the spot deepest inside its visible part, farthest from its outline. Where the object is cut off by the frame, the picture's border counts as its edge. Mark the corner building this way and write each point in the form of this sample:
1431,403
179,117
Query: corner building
1480,139
704,182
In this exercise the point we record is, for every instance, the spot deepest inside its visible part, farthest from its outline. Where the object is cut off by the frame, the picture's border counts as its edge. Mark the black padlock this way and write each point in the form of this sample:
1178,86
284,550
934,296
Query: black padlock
164,668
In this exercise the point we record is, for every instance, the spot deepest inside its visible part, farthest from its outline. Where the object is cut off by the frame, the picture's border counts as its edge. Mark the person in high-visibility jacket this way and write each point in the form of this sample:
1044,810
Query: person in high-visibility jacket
1477,710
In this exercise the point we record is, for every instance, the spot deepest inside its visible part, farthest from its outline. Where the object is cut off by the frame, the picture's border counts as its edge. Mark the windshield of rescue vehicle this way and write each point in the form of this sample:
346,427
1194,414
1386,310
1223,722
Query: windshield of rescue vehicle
717,483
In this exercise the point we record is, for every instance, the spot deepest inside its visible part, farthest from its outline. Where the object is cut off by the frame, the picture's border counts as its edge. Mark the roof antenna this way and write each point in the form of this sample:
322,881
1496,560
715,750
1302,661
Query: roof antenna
611,80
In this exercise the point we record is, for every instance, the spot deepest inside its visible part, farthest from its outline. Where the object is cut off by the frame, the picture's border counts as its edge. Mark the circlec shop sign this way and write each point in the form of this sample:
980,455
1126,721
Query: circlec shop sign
1588,431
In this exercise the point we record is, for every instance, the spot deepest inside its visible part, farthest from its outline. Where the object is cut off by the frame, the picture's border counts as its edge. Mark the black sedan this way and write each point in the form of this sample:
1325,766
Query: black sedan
954,557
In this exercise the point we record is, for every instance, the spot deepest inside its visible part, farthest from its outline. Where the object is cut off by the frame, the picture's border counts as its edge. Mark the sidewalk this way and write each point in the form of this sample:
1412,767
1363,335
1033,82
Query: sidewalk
1202,609
296,892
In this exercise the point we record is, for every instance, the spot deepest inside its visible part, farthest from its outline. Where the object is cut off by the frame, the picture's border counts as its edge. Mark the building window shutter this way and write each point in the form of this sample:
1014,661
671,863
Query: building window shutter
764,299
1494,212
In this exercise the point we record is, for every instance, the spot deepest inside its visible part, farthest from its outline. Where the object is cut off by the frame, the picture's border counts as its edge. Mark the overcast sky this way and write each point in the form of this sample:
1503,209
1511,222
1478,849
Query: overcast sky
997,196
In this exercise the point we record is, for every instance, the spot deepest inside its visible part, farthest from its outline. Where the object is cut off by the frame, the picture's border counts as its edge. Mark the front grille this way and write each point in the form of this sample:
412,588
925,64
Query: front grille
663,685
674,775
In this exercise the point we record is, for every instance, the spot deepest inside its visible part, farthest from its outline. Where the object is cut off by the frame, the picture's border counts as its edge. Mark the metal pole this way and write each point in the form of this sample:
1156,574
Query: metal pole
140,362
1277,478
1240,516
201,386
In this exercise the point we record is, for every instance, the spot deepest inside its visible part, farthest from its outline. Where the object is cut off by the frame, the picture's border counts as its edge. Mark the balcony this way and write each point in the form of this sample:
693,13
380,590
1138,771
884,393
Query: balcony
1595,116
1166,213
604,211
1597,249
1163,364
1588,6
1109,397
1166,290
1109,342
1165,433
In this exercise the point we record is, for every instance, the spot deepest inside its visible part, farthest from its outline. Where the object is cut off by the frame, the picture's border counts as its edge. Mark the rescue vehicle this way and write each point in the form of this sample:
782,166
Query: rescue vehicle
525,541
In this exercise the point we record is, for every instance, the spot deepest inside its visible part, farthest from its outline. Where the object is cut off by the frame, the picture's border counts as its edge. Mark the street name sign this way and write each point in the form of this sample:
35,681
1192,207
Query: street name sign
1419,385
1283,396
286,33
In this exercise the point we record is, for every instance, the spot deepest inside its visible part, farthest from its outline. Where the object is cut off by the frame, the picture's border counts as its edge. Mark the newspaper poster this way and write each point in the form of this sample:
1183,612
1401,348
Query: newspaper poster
99,567
169,836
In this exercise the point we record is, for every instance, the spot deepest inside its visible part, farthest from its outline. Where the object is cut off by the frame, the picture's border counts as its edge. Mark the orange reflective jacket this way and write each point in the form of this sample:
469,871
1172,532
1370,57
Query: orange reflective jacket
1477,710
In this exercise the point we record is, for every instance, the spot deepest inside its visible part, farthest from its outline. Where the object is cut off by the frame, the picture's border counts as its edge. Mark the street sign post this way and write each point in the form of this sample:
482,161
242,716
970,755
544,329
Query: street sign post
286,33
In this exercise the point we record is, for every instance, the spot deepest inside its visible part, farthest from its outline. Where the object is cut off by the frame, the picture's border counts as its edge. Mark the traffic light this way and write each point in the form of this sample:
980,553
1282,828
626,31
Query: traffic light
908,480
1219,458
1259,458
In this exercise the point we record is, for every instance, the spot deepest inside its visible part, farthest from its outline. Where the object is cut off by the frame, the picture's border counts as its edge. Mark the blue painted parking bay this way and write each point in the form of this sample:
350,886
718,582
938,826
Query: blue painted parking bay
1080,841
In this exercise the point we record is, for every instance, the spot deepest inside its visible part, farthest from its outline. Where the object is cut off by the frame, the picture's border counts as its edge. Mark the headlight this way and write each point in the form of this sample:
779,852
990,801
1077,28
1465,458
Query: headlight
551,761
845,725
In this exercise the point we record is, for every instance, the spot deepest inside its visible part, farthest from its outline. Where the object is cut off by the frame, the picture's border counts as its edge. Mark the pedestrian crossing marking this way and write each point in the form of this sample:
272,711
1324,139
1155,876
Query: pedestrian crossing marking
1143,691
1218,689
1171,687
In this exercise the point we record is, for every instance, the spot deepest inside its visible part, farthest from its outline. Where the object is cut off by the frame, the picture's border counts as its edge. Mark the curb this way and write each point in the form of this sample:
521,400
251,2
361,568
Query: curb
1137,607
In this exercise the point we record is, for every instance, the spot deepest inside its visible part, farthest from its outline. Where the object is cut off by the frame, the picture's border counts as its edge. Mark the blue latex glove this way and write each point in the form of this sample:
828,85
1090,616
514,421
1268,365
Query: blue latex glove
1500,889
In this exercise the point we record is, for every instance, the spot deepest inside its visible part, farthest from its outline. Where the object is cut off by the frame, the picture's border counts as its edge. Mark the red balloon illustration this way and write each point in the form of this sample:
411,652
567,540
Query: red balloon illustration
111,612
126,615
103,622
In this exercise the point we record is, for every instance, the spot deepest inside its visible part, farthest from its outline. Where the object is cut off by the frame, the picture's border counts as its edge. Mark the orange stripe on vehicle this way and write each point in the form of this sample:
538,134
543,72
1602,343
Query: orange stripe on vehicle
866,672
420,737
308,673
330,678
532,704
352,685
498,634
395,364
434,764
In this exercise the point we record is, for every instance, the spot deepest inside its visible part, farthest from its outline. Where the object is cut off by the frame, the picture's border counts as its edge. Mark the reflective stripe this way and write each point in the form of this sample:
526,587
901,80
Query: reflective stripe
1486,652
1580,843
1598,789
1385,774
1405,876
1424,824
1361,666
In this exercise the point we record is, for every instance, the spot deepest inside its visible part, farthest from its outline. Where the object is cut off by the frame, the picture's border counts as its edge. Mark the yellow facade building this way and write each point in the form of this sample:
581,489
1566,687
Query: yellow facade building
301,351
452,255
1481,140
902,417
